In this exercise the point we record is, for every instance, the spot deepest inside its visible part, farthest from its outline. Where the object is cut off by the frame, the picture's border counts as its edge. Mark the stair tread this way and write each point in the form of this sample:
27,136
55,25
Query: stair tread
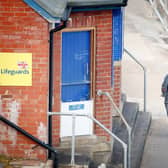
70,166
65,158
140,134
140,123
130,111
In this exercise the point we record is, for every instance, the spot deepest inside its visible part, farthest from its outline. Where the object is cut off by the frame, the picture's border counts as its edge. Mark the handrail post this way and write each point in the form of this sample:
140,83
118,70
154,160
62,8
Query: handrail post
145,84
129,129
125,156
129,146
124,145
73,140
144,69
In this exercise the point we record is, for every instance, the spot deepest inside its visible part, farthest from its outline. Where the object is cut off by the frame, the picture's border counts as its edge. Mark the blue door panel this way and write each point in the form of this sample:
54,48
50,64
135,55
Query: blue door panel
75,93
117,44
75,66
117,34
75,52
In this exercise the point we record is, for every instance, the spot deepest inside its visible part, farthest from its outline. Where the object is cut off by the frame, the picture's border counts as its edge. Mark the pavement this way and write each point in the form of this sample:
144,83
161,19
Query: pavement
156,148
144,37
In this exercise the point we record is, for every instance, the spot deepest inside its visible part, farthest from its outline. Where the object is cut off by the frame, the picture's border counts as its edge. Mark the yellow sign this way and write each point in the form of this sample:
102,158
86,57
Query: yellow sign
15,69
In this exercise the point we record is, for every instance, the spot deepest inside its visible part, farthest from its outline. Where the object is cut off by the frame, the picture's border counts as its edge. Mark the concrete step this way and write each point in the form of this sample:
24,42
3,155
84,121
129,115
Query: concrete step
140,133
130,112
86,145
82,140
73,166
28,164
90,149
65,159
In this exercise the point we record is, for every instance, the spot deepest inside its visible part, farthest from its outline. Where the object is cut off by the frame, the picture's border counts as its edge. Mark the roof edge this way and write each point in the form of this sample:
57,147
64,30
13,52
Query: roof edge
97,4
42,12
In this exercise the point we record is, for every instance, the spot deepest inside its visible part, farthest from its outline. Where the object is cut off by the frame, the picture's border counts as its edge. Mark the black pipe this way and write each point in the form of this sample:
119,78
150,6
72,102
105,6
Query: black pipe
51,66
39,142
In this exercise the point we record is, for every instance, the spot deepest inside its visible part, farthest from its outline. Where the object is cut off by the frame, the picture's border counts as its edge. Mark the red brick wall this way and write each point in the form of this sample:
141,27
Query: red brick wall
57,89
102,21
117,84
23,30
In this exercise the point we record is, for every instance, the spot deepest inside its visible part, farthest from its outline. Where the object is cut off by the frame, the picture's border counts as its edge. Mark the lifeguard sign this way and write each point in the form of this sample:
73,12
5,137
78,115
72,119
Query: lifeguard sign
15,69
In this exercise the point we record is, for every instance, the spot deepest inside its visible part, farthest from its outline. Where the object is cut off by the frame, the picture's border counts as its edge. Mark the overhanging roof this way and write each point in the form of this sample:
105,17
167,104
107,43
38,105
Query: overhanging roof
56,10
91,3
55,7
52,10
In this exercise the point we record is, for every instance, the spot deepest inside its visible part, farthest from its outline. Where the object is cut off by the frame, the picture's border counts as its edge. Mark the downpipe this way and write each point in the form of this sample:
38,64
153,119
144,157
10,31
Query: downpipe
51,74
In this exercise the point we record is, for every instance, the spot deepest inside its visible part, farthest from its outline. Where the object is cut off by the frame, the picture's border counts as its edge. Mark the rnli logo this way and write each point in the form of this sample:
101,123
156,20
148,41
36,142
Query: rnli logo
22,65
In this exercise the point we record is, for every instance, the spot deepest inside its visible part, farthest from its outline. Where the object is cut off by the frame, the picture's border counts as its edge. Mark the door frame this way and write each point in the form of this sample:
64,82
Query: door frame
92,56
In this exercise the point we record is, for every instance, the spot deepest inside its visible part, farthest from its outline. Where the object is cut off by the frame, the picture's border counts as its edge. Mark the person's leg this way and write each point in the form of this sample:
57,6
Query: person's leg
166,106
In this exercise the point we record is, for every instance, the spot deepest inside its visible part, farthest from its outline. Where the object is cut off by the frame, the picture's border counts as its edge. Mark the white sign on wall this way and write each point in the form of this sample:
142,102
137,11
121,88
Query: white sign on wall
84,126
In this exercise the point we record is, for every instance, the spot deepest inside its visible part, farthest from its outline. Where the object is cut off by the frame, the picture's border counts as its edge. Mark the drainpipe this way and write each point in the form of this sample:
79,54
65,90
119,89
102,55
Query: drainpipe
51,66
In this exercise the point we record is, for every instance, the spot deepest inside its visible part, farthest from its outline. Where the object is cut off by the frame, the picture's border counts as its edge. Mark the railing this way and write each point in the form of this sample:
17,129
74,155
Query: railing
40,143
165,10
144,70
129,129
74,115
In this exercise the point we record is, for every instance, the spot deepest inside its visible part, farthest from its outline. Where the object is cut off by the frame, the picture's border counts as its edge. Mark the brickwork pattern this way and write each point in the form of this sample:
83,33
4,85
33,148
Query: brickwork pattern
117,85
102,21
23,31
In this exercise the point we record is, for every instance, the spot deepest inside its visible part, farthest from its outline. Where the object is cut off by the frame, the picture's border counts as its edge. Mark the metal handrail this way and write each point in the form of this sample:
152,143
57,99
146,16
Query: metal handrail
144,70
34,139
163,6
124,145
129,129
158,14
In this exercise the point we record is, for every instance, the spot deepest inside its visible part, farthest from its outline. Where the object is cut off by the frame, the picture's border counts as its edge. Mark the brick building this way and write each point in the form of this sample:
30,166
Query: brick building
71,61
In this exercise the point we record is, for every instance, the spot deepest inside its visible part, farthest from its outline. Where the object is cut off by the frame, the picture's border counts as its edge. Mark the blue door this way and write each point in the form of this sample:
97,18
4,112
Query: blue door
75,66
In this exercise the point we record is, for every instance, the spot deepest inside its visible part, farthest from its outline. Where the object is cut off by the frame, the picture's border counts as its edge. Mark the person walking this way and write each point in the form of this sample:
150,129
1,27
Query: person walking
164,91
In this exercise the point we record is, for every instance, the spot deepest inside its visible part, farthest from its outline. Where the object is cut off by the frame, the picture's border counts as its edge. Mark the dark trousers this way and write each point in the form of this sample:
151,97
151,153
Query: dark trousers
166,106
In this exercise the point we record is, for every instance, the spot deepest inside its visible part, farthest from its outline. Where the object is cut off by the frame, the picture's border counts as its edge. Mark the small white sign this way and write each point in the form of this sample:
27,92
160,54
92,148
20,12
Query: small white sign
83,125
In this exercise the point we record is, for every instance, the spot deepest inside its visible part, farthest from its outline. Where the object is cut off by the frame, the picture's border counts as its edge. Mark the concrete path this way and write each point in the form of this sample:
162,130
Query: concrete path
144,39
156,148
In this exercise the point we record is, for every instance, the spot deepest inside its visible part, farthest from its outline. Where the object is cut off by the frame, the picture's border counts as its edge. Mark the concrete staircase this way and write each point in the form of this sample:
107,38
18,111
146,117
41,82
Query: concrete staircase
90,151
6,162
140,123
96,152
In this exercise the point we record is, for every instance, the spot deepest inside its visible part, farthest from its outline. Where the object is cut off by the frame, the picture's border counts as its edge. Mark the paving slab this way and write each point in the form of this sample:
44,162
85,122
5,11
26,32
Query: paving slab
143,38
156,148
